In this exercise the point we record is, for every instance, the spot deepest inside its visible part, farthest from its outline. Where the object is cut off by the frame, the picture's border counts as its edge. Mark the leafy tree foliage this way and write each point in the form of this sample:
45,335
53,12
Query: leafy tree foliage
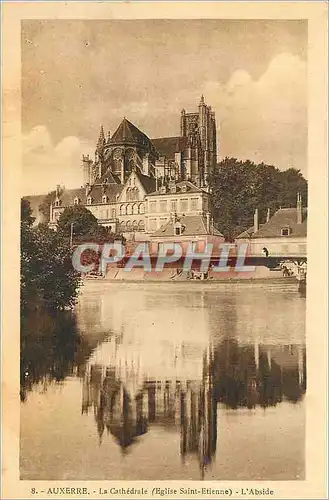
26,213
84,221
85,226
44,207
48,278
239,187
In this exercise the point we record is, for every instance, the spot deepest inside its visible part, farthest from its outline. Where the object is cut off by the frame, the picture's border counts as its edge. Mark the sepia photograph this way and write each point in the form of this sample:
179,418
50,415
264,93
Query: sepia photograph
166,374
163,255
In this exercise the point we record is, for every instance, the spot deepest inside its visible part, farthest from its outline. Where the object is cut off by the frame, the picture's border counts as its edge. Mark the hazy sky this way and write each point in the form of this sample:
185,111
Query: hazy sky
77,75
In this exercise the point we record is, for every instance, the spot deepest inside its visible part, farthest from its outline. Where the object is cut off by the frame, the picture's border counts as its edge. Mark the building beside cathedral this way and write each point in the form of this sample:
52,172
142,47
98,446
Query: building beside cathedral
135,184
283,233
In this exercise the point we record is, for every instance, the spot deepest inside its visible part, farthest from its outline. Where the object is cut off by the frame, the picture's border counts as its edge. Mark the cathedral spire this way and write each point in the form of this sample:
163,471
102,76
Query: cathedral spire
101,140
202,100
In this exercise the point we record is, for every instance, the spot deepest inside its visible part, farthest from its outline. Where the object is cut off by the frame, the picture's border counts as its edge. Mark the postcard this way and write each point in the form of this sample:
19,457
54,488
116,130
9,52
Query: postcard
164,214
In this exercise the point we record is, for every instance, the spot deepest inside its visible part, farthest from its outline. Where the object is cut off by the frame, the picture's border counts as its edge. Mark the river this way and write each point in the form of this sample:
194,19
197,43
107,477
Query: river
169,381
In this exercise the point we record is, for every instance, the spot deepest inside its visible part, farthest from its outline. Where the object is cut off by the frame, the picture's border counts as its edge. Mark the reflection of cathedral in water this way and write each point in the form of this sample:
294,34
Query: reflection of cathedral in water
126,401
127,398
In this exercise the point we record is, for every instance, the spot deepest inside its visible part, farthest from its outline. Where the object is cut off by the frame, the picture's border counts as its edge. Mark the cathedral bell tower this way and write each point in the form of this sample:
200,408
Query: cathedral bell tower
200,129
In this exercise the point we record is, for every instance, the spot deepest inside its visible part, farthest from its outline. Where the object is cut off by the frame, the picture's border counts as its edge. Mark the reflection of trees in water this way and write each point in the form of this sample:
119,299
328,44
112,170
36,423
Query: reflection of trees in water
126,402
246,376
235,375
51,349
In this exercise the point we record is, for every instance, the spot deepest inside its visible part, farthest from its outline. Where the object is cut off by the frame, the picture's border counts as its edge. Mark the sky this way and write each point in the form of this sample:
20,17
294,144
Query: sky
79,74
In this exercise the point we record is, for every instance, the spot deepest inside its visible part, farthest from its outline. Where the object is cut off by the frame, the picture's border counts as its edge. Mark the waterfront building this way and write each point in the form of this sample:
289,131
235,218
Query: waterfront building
176,198
283,234
187,229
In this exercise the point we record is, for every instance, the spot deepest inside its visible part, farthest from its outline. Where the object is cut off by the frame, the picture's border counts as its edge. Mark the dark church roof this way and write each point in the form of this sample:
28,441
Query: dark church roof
108,178
148,183
128,133
168,146
97,192
284,217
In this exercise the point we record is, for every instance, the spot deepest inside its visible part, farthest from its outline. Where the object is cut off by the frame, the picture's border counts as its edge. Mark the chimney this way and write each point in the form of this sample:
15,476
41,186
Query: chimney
268,215
256,223
299,209
208,222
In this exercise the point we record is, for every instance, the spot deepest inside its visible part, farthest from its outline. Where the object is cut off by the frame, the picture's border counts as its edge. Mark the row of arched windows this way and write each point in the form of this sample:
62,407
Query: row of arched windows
132,226
132,208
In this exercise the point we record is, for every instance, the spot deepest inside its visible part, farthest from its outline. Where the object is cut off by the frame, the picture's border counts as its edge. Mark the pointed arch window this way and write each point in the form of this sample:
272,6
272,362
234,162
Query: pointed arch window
135,193
76,201
117,161
89,200
135,208
104,198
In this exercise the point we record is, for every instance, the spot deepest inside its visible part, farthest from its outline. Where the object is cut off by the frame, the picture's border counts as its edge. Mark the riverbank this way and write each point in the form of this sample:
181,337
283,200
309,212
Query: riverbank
170,275
285,283
290,280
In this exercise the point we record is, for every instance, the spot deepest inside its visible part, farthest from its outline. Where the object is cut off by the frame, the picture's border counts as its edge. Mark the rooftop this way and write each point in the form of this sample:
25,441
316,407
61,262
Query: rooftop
127,132
181,187
282,218
168,146
96,192
192,225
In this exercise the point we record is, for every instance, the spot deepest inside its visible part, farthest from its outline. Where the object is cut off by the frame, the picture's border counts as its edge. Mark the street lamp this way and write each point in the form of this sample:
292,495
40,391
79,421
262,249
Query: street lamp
71,235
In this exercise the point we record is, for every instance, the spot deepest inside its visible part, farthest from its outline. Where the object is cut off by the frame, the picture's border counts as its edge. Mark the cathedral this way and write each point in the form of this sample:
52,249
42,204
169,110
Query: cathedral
190,156
136,185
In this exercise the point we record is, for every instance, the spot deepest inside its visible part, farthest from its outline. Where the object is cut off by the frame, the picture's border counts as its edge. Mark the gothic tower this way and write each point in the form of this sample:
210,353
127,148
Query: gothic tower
203,125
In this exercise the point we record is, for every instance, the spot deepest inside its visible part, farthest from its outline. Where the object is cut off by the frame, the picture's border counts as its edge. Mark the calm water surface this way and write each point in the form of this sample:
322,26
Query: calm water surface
167,381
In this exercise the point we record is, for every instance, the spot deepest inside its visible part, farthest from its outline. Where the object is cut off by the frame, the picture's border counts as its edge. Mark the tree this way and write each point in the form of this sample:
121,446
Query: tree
26,213
44,207
84,221
48,278
239,187
85,226
28,251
